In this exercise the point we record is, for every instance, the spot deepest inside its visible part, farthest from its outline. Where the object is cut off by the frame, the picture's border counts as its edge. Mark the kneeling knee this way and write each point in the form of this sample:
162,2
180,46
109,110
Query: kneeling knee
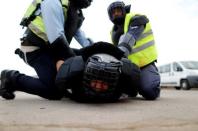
150,93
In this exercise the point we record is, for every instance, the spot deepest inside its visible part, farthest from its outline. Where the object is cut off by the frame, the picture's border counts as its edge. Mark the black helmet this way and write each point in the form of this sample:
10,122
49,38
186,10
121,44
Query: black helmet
81,3
101,77
117,5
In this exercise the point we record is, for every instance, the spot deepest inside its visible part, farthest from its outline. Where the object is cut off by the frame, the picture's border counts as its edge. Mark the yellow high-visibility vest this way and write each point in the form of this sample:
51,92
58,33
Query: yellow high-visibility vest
37,25
144,51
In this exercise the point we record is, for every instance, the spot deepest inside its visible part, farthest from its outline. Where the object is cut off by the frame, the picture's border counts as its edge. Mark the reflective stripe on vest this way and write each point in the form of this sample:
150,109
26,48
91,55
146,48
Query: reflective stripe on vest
31,8
144,52
37,25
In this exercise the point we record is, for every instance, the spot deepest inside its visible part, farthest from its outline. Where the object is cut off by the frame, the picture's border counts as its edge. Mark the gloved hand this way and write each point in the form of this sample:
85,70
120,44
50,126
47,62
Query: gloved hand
27,56
136,31
139,20
91,42
20,53
128,40
137,25
126,43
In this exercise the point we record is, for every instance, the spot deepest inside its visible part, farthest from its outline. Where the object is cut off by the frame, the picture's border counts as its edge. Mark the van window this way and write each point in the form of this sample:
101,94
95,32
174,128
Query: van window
177,67
164,68
193,65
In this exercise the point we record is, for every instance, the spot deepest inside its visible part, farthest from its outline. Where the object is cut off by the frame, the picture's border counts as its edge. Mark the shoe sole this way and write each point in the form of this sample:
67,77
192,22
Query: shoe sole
3,92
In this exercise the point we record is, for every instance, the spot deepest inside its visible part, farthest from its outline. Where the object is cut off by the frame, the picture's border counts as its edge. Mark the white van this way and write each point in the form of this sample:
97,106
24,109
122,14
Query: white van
181,75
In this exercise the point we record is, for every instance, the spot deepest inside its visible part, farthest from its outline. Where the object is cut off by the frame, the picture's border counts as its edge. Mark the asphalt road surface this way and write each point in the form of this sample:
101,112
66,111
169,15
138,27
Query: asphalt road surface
174,111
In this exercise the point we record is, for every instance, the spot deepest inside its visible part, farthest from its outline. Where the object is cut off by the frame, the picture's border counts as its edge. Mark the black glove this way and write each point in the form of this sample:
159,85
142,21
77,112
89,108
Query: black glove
20,53
139,20
28,57
60,49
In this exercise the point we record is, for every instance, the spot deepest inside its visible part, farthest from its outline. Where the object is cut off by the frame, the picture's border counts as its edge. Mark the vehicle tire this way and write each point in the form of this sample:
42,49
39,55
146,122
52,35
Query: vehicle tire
185,85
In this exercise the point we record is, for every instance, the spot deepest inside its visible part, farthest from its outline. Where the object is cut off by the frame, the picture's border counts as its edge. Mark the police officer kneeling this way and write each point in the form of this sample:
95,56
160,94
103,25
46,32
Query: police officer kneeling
98,75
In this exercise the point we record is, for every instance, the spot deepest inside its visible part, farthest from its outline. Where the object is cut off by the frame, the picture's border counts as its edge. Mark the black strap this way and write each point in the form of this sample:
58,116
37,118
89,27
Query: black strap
26,21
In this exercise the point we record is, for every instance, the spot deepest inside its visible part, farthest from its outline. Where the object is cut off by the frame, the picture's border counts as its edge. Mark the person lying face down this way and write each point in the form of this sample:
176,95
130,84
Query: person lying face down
99,73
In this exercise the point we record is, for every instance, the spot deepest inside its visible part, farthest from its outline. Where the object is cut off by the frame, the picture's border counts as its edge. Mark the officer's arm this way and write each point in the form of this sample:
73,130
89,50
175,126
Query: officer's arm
82,39
128,40
53,18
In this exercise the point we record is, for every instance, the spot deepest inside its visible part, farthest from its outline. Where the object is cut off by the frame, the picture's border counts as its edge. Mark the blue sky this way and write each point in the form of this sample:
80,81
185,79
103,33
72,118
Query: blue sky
174,25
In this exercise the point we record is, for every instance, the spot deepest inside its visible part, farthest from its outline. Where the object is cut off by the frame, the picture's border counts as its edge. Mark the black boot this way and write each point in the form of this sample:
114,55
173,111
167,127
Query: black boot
8,86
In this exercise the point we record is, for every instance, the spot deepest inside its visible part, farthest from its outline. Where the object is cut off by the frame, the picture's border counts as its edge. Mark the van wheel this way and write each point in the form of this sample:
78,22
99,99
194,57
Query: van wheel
184,85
